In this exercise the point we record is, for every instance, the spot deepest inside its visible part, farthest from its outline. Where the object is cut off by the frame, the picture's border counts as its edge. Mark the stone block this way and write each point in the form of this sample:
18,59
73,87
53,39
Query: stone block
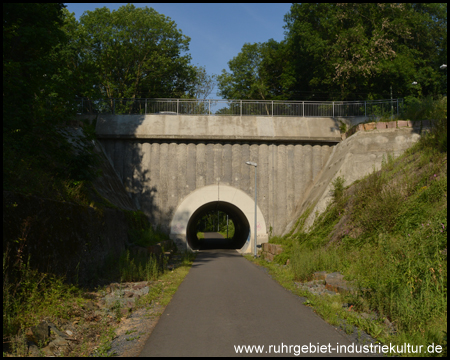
39,333
370,126
381,125
360,127
402,123
414,124
319,275
268,256
277,249
265,247
391,124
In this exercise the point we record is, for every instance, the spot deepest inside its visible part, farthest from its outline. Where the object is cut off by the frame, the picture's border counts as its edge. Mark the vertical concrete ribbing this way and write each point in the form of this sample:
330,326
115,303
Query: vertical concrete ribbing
326,151
236,164
108,145
128,167
317,160
263,180
172,180
201,166
217,162
137,174
290,181
155,182
280,191
272,179
299,185
191,168
181,172
245,170
118,158
226,165
209,170
144,177
307,164
254,157
164,178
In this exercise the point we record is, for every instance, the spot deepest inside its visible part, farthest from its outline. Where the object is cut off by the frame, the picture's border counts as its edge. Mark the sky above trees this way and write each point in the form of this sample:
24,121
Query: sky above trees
217,31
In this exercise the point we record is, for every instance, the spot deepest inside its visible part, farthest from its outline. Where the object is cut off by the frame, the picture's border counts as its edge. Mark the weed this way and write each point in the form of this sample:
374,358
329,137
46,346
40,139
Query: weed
393,245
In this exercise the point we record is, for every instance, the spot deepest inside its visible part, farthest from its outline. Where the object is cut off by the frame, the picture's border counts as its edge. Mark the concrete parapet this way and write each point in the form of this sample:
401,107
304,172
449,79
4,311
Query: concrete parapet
248,128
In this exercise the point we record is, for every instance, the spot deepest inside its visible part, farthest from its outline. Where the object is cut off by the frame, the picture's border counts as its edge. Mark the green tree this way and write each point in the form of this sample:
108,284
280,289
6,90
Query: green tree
204,83
348,51
257,72
31,34
136,52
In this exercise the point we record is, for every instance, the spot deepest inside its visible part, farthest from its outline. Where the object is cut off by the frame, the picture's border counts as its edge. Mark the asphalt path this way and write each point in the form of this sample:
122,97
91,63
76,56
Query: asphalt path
226,300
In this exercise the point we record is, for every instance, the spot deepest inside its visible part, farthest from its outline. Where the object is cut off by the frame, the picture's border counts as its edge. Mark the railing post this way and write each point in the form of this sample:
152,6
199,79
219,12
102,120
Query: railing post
272,108
303,108
397,106
178,102
209,106
365,108
145,107
333,108
241,106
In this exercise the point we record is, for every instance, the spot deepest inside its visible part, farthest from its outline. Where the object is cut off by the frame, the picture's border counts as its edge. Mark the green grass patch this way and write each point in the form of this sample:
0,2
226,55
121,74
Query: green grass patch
387,233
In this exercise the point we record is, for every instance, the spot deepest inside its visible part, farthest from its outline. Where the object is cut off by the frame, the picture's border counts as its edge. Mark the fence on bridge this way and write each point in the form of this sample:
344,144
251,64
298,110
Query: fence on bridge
240,107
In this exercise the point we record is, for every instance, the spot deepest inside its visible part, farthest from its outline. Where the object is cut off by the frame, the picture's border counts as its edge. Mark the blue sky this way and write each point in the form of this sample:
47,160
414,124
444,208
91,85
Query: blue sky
217,31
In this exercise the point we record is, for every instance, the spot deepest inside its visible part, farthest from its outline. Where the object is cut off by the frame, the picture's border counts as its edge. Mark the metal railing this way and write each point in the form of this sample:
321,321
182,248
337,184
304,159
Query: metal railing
376,108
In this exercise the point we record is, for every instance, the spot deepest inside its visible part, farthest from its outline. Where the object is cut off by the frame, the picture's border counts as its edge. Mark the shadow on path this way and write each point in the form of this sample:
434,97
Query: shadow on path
213,241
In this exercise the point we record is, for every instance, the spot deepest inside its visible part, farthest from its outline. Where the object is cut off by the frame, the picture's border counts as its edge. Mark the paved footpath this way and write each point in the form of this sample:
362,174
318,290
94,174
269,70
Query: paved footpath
226,300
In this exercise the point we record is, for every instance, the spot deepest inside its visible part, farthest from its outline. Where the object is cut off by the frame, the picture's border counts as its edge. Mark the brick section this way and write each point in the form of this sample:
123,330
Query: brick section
391,124
270,250
370,126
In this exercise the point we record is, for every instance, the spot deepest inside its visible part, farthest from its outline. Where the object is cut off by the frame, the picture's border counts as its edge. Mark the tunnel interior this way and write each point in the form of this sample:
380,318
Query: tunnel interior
241,225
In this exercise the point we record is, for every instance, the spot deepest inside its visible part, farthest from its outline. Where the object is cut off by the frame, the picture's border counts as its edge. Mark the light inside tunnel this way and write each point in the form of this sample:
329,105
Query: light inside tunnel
241,225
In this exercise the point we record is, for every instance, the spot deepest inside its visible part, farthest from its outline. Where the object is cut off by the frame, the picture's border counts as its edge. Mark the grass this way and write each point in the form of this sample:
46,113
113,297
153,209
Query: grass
388,233
34,296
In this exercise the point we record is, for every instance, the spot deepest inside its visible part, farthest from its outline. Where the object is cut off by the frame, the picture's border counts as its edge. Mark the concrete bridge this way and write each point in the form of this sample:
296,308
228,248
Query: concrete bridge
176,168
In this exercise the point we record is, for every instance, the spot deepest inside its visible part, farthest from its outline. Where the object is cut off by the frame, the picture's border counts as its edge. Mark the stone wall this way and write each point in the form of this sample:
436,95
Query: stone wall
60,237
268,251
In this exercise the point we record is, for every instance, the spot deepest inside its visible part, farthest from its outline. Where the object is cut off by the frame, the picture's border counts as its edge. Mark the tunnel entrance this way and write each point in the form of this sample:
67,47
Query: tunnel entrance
217,211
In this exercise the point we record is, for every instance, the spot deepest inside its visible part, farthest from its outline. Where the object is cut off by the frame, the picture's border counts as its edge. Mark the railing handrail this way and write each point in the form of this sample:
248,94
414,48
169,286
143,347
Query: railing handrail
247,100
238,107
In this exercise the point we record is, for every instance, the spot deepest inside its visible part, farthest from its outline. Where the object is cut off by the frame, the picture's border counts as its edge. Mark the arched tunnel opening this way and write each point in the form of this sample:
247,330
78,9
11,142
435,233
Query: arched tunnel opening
235,215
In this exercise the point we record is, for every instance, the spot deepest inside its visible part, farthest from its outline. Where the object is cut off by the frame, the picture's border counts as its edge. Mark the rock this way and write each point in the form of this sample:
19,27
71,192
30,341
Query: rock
90,305
319,275
47,351
56,331
139,286
33,349
39,334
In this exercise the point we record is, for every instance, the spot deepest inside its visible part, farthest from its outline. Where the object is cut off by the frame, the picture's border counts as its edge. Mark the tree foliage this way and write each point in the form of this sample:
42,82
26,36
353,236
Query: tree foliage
130,53
345,52
31,32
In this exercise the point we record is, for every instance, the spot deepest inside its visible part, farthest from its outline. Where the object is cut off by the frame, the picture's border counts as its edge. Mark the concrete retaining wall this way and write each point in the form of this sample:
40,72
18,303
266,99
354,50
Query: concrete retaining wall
352,159
160,175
